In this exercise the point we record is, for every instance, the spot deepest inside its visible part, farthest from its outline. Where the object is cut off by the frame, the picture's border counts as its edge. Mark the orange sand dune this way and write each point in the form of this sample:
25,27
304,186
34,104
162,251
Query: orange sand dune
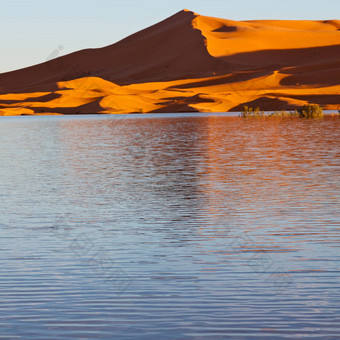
188,62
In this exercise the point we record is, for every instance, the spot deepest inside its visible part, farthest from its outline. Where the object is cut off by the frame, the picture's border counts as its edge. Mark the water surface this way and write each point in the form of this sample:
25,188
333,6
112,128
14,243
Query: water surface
169,227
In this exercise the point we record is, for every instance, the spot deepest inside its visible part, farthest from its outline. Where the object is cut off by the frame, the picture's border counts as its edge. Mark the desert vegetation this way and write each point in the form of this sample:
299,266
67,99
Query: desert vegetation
311,111
307,111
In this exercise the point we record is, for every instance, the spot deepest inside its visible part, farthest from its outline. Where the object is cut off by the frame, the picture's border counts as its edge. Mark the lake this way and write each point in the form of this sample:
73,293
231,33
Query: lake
169,227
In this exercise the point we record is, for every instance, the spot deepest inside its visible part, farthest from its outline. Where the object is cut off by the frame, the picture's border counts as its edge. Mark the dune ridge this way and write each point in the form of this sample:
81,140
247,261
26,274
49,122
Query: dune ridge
187,63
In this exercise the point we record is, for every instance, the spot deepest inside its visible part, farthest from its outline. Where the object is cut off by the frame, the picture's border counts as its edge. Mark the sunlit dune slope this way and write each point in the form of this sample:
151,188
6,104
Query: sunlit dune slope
188,62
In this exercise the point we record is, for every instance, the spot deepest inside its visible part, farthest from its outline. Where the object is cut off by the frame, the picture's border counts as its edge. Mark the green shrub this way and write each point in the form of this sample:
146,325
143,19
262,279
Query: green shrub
311,111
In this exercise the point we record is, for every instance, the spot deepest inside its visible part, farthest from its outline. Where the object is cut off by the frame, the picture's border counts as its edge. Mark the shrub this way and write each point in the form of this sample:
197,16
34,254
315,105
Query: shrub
307,111
251,112
284,114
311,111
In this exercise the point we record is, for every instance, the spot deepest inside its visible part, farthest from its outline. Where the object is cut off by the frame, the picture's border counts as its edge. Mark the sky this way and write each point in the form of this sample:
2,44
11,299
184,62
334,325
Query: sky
34,31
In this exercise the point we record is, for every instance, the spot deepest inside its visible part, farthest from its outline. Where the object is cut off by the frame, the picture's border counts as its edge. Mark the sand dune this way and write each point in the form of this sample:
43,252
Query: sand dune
187,62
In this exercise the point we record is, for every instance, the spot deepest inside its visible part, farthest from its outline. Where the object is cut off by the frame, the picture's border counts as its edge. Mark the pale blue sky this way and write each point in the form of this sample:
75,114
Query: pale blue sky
30,31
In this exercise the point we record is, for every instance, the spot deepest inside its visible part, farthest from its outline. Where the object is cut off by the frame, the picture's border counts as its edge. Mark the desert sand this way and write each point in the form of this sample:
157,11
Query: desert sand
187,63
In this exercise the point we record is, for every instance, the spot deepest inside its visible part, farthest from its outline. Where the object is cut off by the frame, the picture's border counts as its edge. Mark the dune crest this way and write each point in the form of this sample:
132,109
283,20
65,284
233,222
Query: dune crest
188,62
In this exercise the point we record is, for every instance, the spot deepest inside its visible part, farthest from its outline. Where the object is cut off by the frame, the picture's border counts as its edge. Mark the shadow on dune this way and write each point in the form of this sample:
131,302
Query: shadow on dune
310,66
266,104
169,50
181,104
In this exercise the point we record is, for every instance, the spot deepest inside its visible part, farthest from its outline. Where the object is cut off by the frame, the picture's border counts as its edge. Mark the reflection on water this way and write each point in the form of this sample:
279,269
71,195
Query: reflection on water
162,227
